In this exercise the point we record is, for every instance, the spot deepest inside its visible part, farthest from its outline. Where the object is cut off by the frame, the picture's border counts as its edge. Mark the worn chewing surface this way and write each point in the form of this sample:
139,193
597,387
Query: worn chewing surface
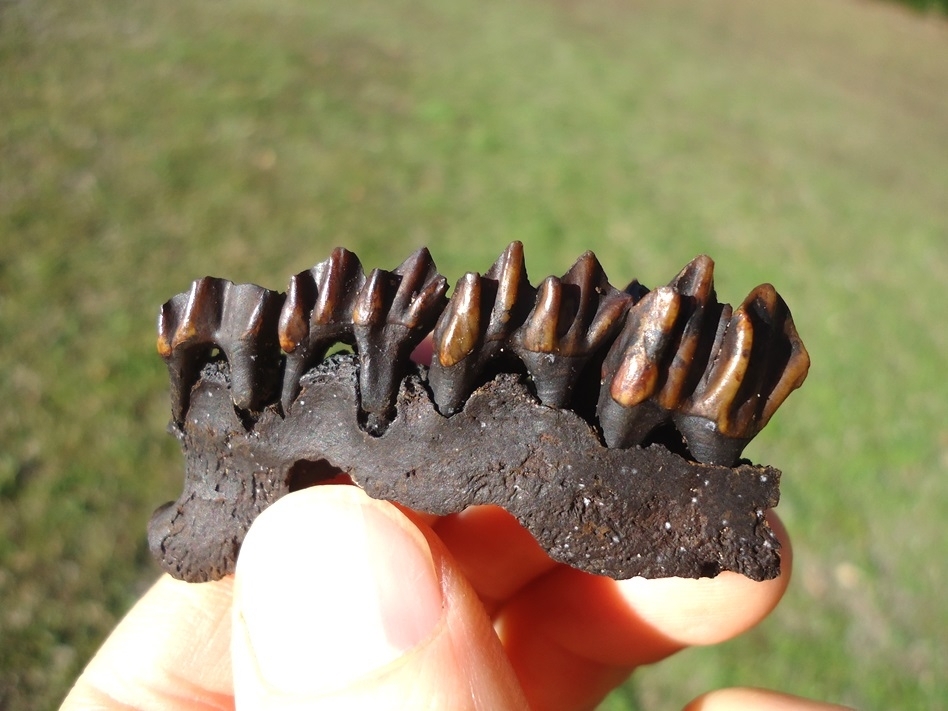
614,512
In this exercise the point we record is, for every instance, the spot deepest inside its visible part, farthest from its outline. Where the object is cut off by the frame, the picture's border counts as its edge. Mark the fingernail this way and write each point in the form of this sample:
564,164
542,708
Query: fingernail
332,586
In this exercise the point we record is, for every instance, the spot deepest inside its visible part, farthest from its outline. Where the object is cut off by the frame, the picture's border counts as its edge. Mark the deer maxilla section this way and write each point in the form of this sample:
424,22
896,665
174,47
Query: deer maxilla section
672,358
609,421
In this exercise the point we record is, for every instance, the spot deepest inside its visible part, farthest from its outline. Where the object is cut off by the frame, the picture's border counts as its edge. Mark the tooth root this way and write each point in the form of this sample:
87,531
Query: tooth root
760,361
317,314
181,365
572,318
393,312
294,333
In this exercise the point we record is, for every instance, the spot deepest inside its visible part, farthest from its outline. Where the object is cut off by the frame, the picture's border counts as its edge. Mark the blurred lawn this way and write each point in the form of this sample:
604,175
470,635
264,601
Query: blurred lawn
804,143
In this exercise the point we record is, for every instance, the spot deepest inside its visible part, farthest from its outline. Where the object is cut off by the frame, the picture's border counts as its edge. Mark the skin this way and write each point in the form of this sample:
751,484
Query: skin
341,601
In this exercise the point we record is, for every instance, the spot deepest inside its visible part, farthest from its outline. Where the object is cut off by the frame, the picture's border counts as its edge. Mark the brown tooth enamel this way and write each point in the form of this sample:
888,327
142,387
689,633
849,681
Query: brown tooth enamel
294,319
727,373
599,311
539,332
780,362
427,305
338,279
794,373
642,345
459,328
168,317
370,307
696,285
697,278
201,315
513,292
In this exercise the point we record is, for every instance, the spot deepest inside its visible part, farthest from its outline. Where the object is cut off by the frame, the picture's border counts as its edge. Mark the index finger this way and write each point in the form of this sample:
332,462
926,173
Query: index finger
571,634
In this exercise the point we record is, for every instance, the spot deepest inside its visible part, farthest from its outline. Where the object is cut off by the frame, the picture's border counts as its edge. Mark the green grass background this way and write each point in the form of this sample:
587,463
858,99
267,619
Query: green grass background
803,142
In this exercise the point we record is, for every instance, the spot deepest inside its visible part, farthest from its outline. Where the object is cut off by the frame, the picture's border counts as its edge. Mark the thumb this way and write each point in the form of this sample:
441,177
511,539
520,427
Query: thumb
342,601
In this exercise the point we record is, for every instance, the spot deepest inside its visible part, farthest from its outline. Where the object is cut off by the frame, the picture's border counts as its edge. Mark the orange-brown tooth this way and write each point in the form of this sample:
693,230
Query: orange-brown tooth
696,285
539,332
645,339
294,319
793,375
697,278
608,320
201,315
338,279
370,307
727,373
514,293
427,304
168,324
459,328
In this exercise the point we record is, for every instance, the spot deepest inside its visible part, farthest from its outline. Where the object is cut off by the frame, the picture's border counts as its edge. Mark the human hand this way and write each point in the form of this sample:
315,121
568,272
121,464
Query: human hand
343,602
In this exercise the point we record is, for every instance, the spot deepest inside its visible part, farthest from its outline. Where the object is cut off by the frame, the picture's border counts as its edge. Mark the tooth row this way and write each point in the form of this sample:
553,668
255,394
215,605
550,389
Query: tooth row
553,330
673,355
384,315
717,374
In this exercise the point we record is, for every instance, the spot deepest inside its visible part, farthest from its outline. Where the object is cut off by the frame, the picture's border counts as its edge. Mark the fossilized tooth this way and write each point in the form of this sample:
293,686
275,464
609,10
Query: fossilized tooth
757,361
572,317
632,371
238,319
658,358
476,326
392,313
318,314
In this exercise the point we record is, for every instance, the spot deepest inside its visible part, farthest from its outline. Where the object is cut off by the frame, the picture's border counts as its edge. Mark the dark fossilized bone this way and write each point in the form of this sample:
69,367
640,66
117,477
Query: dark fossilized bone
609,422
